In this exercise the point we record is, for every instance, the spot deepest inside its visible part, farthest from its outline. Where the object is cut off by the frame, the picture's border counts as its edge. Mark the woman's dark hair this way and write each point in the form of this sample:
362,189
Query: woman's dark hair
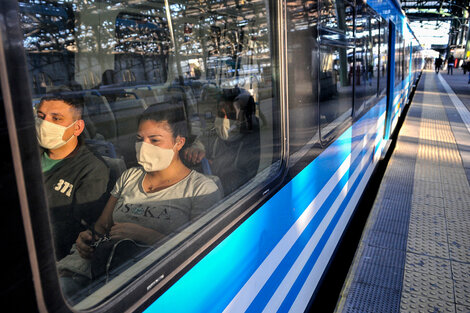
175,117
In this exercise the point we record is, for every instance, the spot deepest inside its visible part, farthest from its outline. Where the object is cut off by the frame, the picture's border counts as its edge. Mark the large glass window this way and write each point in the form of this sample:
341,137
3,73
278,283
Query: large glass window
383,63
406,59
336,87
302,58
153,117
363,61
336,66
375,57
398,57
367,59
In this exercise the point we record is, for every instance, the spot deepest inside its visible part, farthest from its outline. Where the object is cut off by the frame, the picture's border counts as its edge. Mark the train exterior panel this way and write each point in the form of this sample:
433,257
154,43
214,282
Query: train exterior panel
327,89
276,258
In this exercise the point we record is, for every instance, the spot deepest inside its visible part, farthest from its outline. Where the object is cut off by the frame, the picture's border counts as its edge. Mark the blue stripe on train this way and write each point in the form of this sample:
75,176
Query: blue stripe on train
294,291
212,283
274,281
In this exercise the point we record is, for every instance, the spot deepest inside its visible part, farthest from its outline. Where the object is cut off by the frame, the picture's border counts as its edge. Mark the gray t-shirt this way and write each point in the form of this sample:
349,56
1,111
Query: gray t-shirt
165,210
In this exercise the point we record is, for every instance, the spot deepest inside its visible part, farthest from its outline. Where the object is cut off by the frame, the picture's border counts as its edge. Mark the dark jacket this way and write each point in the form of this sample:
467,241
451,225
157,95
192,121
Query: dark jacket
76,189
234,162
450,61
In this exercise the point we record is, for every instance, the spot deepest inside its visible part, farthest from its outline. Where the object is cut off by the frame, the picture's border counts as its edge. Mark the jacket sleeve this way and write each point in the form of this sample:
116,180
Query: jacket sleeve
91,194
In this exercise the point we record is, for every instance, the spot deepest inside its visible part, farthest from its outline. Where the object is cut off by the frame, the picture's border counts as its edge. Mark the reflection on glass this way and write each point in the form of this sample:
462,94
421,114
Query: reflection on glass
364,70
375,58
398,57
329,13
302,53
383,57
336,89
368,60
337,14
189,85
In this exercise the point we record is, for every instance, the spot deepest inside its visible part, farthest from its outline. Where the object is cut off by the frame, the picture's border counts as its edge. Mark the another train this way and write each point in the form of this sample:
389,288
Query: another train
324,81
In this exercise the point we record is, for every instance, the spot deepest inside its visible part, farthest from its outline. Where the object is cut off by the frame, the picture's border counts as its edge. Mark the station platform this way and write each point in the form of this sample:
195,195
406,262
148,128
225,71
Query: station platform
414,254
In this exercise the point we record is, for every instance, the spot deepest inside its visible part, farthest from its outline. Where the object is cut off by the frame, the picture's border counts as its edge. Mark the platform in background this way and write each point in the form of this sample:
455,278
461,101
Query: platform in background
414,255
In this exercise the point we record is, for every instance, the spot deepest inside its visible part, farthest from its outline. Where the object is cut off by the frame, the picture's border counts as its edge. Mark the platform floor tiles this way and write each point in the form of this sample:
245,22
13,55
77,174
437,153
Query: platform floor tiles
414,254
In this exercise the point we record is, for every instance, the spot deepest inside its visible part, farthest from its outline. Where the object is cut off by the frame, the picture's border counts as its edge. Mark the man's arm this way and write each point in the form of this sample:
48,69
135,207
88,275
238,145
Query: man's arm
91,195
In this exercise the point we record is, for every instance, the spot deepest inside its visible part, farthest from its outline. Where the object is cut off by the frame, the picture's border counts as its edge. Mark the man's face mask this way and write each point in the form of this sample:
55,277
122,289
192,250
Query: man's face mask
50,135
153,158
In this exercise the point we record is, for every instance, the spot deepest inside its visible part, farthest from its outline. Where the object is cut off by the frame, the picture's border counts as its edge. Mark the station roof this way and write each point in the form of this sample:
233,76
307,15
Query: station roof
419,10
454,13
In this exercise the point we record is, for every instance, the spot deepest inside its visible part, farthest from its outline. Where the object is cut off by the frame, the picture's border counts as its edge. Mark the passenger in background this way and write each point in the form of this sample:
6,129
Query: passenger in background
450,65
155,199
438,64
75,179
233,146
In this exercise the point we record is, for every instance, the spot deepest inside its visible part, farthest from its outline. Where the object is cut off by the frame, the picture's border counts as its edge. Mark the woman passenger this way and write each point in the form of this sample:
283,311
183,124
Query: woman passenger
155,199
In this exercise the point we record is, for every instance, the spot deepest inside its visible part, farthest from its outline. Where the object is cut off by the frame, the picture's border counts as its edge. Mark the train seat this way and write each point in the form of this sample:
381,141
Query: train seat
127,109
147,95
100,113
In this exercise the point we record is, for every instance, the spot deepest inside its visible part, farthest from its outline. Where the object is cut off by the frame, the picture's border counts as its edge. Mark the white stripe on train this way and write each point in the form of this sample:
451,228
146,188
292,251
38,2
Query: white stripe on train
252,287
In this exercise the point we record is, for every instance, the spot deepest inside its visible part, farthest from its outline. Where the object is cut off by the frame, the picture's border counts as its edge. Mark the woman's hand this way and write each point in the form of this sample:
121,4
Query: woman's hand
85,238
135,232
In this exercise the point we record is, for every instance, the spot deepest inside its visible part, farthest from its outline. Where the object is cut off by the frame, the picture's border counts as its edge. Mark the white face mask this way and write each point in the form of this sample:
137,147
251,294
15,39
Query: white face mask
50,135
153,158
227,129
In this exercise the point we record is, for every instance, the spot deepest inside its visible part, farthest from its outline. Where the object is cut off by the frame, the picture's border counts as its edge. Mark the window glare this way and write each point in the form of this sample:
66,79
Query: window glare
205,66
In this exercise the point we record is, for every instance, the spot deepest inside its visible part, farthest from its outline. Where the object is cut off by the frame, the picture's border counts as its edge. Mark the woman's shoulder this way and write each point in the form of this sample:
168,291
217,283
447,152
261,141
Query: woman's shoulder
195,176
134,170
132,173
201,182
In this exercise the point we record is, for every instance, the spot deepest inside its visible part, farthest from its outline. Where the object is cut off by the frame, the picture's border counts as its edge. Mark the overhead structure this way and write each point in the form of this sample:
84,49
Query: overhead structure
455,12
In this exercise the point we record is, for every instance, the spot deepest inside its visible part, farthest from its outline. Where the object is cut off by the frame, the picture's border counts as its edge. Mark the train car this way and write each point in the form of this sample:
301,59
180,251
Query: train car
288,107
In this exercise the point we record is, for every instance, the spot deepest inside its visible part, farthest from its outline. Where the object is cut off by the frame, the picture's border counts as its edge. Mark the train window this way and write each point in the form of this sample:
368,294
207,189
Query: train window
375,31
336,88
367,59
398,57
402,58
364,58
302,54
406,59
383,57
152,120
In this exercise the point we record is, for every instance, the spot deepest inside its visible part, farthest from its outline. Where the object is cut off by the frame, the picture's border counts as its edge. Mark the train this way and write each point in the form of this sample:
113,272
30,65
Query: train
321,86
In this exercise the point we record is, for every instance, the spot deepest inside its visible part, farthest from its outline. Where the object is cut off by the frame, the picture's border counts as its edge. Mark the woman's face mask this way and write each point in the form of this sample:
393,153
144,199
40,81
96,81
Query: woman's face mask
153,158
50,135
227,129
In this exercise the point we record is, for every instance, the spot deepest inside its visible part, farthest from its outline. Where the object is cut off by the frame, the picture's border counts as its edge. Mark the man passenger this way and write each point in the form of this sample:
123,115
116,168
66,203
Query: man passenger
75,179
232,147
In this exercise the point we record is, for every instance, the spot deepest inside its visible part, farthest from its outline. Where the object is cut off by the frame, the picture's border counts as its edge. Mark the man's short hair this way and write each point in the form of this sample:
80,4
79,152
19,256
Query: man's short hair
73,99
